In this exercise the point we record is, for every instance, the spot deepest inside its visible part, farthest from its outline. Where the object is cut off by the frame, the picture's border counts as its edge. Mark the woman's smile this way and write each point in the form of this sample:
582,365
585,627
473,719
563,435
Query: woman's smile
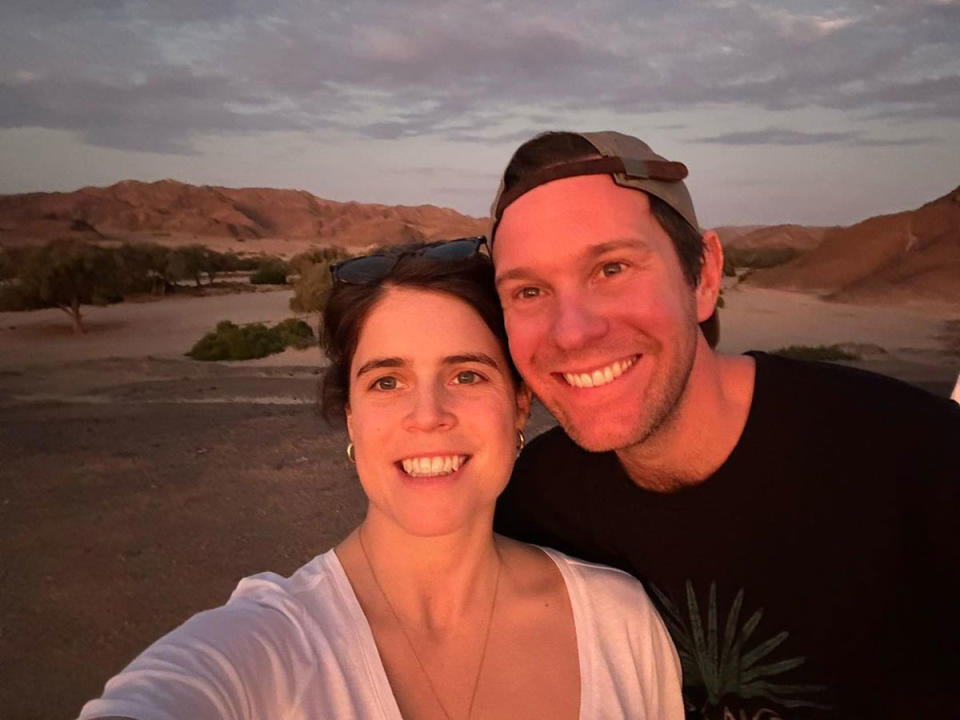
432,465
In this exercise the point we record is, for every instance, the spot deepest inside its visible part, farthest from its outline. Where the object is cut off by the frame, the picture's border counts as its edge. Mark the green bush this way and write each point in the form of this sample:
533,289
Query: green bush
756,258
824,353
295,333
311,290
272,271
247,342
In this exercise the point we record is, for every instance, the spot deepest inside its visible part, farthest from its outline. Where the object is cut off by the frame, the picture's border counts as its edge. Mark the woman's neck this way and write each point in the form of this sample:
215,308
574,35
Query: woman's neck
432,582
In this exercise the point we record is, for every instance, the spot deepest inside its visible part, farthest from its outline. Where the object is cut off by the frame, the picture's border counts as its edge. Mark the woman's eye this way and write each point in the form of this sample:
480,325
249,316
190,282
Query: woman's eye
612,268
467,377
385,383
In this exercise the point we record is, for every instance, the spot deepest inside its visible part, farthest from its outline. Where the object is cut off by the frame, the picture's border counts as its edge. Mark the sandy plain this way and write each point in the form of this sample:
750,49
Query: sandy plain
137,486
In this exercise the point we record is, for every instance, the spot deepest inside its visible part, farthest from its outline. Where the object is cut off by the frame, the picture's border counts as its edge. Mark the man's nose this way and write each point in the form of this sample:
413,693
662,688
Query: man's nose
431,409
576,323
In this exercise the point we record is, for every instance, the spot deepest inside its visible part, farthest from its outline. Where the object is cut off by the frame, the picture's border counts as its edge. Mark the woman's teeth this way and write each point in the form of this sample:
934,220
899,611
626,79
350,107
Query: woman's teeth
434,465
599,377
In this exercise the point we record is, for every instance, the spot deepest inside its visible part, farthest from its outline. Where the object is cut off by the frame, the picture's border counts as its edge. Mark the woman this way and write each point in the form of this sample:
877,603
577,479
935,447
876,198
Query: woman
421,612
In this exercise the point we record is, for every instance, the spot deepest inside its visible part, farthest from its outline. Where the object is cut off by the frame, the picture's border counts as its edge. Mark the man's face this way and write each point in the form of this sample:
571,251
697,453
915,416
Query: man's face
602,324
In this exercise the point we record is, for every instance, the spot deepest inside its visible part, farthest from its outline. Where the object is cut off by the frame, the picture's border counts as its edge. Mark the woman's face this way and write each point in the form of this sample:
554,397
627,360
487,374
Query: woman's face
433,413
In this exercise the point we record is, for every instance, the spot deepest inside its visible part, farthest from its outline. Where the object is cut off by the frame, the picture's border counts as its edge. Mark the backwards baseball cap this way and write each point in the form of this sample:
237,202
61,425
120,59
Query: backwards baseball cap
629,161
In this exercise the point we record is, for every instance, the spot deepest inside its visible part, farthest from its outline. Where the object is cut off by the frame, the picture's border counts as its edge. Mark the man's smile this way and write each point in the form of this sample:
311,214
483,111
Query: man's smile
602,375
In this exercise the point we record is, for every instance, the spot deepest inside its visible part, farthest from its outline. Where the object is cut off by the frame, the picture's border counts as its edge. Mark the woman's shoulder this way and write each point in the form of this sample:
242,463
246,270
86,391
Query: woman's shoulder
595,578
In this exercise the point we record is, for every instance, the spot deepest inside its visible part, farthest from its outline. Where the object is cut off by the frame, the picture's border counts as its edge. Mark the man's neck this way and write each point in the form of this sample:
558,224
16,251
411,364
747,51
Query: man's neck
704,427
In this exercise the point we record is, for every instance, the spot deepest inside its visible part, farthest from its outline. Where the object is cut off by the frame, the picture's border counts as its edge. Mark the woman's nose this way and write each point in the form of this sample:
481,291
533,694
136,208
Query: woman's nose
431,410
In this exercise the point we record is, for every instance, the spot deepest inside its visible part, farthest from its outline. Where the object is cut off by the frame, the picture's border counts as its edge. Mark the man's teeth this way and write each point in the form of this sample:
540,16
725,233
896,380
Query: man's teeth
599,377
433,465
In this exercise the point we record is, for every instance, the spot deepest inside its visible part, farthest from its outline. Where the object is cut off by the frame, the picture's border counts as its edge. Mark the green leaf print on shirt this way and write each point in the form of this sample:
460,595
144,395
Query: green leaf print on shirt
730,668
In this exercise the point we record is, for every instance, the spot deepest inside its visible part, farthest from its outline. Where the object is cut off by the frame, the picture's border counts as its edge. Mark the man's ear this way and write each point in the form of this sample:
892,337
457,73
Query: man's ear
711,275
524,398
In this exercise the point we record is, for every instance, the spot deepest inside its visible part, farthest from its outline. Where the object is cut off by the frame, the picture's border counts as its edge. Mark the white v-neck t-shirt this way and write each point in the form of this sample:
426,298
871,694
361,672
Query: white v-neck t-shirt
300,647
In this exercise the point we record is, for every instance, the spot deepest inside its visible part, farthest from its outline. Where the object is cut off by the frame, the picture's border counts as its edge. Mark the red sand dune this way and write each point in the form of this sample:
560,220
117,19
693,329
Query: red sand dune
177,211
912,255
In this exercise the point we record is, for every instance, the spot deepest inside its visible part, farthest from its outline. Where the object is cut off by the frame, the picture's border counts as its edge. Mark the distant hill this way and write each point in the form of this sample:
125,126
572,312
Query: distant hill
173,212
912,255
750,237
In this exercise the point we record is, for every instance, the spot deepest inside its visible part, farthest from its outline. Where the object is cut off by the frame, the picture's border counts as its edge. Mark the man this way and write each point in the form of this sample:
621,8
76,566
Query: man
795,521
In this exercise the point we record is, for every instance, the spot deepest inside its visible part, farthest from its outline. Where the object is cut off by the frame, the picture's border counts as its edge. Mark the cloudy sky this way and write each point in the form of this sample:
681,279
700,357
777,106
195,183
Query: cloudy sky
824,113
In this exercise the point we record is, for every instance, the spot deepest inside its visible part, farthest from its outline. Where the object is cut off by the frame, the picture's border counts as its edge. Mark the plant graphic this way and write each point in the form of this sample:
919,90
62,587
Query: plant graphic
731,668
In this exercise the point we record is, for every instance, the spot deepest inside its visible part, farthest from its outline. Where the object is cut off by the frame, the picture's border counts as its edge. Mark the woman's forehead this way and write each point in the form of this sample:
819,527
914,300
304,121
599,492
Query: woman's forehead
417,323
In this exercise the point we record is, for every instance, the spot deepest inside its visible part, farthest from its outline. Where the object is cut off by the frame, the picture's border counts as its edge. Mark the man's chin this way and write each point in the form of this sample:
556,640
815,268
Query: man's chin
603,437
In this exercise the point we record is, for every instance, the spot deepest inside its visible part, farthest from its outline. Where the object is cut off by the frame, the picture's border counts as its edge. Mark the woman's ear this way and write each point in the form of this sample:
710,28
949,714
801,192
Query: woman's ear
524,398
349,417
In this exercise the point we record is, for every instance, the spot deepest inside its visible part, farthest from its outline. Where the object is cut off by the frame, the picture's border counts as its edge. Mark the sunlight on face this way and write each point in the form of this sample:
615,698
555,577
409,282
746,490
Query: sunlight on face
602,323
433,413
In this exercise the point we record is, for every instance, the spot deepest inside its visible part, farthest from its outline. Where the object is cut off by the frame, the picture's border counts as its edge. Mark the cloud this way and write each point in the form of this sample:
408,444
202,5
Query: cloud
777,136
783,136
157,76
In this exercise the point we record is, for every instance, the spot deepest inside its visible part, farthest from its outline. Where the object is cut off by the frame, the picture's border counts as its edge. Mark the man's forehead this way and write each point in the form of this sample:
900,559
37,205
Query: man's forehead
579,214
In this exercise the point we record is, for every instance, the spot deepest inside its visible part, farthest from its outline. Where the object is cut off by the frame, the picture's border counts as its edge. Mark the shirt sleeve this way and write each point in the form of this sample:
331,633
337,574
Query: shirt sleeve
224,663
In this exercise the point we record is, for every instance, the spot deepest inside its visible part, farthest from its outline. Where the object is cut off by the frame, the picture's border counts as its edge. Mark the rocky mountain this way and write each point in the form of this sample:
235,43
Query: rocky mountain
911,255
172,212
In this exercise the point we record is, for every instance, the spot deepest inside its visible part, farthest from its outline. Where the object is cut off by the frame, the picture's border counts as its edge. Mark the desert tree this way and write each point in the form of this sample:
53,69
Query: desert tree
188,263
67,274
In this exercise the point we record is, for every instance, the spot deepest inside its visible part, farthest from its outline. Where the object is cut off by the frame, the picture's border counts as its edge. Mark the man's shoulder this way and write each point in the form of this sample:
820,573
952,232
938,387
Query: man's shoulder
846,389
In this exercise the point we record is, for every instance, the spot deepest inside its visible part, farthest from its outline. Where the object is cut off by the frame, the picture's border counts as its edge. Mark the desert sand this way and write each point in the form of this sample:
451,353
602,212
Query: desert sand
137,486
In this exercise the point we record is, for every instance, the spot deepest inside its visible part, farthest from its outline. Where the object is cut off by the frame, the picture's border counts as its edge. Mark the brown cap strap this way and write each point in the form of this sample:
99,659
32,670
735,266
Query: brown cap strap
664,170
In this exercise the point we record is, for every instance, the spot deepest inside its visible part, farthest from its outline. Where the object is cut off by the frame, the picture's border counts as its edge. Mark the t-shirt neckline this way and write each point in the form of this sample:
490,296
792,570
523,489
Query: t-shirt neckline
371,655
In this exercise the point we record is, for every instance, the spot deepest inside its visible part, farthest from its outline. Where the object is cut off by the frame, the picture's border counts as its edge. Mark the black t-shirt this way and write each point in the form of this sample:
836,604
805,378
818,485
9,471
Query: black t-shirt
814,574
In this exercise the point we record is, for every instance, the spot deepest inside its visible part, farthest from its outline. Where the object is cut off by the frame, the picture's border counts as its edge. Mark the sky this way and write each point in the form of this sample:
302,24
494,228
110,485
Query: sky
823,113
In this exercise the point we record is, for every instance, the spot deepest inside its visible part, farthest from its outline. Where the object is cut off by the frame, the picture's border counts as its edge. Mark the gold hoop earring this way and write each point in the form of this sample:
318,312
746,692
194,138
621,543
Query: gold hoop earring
521,442
351,453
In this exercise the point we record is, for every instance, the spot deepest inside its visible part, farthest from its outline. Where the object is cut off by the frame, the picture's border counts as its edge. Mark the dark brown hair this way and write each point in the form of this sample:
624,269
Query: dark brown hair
348,306
552,148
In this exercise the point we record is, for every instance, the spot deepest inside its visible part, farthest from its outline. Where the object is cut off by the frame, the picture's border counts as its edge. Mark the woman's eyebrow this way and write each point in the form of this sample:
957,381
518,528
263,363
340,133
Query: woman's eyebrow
477,357
386,362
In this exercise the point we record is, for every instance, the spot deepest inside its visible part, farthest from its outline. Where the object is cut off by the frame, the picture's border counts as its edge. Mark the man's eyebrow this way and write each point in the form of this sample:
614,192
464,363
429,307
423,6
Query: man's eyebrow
618,244
520,273
385,362
594,251
477,357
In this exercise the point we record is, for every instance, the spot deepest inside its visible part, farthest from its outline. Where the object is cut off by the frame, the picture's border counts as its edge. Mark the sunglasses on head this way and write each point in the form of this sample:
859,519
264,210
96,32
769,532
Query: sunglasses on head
375,267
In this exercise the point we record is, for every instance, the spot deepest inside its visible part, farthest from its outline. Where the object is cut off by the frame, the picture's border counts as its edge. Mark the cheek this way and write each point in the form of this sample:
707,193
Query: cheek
524,334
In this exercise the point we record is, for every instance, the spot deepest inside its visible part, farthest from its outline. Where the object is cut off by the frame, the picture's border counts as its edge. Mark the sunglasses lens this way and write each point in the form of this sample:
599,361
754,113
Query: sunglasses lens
454,250
365,269
373,268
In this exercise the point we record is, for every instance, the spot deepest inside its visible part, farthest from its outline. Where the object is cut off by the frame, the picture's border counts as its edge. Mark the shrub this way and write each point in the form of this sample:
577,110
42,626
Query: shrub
311,290
247,342
295,333
756,258
824,353
272,271
301,262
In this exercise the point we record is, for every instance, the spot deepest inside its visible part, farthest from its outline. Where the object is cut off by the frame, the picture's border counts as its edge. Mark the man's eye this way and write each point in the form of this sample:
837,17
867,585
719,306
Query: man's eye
612,268
467,377
385,383
528,292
